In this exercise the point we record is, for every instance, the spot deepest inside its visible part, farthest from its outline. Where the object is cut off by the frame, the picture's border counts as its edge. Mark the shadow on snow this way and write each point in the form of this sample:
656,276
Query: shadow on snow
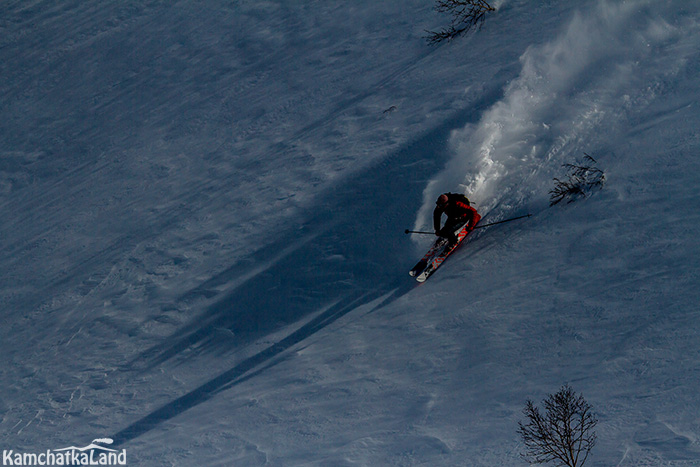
349,252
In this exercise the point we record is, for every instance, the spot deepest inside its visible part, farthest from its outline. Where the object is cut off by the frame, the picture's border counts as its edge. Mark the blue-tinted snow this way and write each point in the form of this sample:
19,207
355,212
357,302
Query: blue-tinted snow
202,210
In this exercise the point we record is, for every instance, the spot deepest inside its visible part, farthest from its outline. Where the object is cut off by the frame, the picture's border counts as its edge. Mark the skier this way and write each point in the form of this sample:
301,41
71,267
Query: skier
458,212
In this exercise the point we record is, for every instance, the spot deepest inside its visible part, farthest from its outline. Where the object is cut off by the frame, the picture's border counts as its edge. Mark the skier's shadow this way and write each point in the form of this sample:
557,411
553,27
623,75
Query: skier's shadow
359,259
350,252
350,249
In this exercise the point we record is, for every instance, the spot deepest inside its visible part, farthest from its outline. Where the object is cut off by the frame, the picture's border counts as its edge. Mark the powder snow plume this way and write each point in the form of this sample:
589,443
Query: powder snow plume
571,96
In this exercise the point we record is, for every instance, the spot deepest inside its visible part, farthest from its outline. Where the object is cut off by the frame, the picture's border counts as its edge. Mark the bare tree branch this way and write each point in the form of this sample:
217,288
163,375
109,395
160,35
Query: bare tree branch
466,14
564,434
581,178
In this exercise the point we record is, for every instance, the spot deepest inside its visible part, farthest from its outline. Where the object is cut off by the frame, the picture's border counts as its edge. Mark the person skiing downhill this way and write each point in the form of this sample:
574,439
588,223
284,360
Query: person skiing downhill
458,211
461,219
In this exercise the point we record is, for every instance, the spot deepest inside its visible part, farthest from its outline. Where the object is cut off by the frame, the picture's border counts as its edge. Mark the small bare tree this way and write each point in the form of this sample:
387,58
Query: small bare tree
563,434
581,178
466,14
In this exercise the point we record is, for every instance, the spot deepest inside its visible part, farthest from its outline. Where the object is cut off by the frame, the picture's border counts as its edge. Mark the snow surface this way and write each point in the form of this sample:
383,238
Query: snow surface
202,208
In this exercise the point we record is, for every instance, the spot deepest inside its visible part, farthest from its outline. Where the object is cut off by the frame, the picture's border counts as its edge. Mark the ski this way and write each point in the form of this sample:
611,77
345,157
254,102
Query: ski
437,259
434,250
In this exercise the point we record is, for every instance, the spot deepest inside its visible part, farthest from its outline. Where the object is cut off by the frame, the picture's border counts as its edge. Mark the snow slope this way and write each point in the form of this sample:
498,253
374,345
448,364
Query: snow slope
202,249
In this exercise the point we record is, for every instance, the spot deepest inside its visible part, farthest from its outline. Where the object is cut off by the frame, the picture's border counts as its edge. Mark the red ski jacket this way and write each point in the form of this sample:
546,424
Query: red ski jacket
455,210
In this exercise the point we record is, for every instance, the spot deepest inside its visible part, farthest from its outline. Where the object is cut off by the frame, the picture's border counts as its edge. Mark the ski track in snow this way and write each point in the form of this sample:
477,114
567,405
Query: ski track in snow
572,93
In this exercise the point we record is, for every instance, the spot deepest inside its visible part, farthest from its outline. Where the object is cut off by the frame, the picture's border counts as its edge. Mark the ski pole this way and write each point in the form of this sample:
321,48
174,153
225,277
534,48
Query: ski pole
477,227
501,222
